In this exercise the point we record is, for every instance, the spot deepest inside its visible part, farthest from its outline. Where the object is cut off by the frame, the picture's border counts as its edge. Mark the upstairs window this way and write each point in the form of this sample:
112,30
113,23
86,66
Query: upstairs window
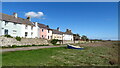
14,23
42,36
26,26
6,22
48,31
42,30
31,27
14,31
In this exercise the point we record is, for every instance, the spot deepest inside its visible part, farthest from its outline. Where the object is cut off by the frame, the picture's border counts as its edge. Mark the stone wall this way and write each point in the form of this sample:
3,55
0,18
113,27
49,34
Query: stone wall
4,41
69,42
24,41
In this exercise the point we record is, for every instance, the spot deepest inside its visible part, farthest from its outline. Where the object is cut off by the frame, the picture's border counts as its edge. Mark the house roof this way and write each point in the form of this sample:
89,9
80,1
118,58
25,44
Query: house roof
57,32
43,26
70,33
18,20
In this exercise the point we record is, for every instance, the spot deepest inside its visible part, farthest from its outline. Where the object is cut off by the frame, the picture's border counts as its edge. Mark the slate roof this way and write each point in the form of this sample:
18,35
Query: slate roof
70,33
57,32
43,26
11,18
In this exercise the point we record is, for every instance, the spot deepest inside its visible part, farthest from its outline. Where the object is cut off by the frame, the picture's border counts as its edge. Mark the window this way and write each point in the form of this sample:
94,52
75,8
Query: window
25,26
14,31
42,30
14,23
42,36
31,27
48,31
26,33
6,32
48,37
31,33
6,22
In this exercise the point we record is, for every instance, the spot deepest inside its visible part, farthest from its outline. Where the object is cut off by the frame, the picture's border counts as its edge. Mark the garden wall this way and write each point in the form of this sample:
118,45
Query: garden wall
4,41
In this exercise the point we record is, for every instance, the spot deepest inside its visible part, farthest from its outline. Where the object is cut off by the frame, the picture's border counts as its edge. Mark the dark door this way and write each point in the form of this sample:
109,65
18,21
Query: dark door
6,32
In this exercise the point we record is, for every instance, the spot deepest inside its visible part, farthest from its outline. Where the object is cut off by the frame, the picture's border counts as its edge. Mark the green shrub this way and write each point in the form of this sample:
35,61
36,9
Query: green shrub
54,41
18,38
14,46
8,36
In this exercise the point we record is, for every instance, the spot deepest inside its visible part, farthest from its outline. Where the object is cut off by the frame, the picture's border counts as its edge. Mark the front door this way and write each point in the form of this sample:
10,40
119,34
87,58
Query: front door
6,32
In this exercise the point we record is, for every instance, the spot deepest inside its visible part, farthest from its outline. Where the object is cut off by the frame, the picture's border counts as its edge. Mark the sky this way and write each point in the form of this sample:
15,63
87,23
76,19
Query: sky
60,0
96,20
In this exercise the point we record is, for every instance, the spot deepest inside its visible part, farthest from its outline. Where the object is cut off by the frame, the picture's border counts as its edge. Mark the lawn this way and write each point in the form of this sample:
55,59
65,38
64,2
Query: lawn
61,56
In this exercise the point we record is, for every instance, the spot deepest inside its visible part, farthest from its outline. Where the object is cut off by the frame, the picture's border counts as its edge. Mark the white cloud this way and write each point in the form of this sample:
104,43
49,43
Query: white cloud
34,14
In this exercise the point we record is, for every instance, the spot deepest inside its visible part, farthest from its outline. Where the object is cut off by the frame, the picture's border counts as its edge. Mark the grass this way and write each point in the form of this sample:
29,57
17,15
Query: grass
16,46
61,56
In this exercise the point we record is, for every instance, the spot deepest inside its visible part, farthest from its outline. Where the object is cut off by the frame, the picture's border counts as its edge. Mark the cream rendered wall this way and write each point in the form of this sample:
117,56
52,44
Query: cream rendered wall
67,37
57,36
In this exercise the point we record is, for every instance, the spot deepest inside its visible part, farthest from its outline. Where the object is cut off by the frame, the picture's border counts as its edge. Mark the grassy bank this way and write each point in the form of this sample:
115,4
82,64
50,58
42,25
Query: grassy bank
61,56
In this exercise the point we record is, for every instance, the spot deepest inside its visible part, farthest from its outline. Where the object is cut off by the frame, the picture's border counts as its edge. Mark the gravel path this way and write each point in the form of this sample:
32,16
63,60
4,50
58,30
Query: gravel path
27,48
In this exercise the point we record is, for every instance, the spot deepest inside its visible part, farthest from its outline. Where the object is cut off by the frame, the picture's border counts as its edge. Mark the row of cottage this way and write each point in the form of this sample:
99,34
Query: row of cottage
16,26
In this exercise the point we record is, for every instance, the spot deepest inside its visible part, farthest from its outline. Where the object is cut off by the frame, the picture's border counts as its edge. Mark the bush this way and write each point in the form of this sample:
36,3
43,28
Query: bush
14,46
18,38
54,41
8,36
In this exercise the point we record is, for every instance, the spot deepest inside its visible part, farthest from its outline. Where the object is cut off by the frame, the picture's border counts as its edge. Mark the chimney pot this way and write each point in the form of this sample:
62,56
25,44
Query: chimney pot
58,28
67,30
29,18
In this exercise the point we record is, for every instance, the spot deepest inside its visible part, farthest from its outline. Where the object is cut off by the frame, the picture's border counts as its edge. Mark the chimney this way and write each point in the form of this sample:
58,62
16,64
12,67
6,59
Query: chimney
36,24
67,30
58,29
70,30
29,18
15,15
48,26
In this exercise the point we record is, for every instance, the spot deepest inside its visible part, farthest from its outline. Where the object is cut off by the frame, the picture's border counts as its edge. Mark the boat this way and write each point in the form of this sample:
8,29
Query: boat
74,47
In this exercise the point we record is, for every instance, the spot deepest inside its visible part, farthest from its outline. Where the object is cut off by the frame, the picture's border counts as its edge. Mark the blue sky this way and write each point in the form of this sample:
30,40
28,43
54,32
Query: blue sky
93,19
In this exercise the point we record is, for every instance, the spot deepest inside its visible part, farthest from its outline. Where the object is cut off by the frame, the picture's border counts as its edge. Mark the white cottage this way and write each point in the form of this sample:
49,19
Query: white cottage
68,35
16,26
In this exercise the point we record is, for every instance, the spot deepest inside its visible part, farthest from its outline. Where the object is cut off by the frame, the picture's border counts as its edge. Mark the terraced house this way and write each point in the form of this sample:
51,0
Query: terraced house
45,31
68,35
57,34
16,26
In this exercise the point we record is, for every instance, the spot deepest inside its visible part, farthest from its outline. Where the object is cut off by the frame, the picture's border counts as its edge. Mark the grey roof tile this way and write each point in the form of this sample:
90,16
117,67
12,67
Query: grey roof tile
19,20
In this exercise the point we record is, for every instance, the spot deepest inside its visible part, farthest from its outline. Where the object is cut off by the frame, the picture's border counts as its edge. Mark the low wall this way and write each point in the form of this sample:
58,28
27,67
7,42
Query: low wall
24,41
4,41
69,42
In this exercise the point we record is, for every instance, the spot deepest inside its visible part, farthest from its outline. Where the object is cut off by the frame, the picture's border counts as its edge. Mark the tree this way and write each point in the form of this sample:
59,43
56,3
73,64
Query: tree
76,37
84,38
